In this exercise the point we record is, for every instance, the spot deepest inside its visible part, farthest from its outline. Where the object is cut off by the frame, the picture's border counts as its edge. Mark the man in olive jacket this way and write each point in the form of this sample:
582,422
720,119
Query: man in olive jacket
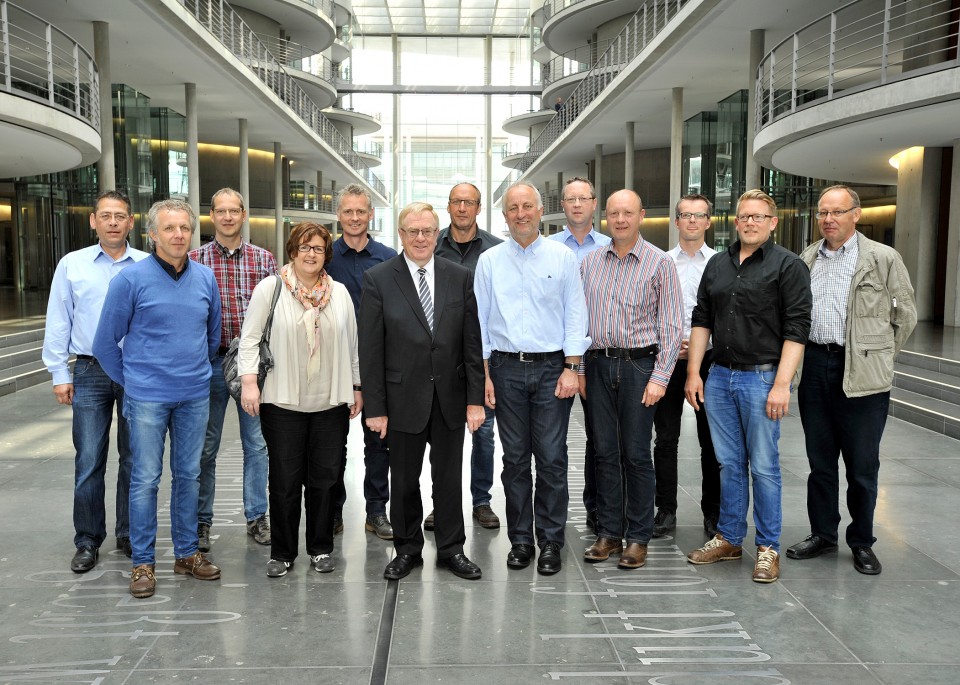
863,312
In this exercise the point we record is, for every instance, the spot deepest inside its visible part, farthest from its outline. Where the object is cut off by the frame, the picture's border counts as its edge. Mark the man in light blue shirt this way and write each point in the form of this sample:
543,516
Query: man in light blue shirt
579,203
534,327
73,312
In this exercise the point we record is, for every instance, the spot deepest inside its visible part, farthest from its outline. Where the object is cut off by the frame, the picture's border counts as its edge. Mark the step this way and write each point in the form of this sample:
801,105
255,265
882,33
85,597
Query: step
23,376
949,367
25,337
927,412
939,386
15,355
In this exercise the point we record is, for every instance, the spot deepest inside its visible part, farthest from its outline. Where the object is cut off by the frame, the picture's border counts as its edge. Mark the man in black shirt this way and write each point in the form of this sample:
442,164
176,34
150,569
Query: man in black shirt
756,301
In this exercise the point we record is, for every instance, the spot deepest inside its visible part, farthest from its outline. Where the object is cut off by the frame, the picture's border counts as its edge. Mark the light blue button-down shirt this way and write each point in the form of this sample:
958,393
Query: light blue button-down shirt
530,299
76,299
592,241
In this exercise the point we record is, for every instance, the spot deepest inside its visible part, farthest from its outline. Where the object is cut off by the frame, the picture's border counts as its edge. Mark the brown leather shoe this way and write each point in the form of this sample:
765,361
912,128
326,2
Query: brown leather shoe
143,583
197,566
767,569
715,550
485,516
602,549
634,556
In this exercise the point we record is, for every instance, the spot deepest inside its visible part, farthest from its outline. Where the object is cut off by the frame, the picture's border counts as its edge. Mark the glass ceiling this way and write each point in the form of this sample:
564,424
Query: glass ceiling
442,17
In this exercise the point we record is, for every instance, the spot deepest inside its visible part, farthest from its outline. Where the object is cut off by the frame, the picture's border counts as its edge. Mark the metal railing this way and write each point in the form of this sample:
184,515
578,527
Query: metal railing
576,61
861,45
369,147
40,62
226,25
556,6
651,19
325,6
299,57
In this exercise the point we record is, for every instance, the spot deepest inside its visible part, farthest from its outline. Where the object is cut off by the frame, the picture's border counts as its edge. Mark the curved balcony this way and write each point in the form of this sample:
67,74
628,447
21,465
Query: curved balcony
901,64
315,71
572,22
312,22
521,124
49,97
370,151
360,124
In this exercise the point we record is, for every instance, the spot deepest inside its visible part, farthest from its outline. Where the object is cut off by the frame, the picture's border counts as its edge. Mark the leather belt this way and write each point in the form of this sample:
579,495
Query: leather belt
222,350
530,356
87,357
746,367
626,353
826,347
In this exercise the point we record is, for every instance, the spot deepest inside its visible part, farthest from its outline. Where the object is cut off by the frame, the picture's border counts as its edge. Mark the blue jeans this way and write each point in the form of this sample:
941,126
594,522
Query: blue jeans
745,442
481,460
376,474
94,396
622,431
149,423
254,452
532,422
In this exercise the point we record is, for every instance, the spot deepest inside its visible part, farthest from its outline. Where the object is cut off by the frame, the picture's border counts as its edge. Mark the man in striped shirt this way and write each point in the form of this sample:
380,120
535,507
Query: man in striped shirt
635,314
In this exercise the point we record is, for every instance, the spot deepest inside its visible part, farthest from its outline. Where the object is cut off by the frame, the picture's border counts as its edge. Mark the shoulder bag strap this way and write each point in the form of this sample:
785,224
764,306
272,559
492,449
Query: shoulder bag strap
273,307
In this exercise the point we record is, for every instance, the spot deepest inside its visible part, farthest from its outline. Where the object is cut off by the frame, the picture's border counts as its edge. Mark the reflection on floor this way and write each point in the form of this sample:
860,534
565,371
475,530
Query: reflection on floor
668,623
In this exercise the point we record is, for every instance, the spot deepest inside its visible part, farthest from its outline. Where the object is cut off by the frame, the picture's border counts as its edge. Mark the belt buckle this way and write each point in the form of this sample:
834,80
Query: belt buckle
606,353
523,357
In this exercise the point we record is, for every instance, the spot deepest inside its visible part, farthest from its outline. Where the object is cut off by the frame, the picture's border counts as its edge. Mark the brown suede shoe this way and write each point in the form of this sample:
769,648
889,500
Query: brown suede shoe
143,583
634,556
767,569
715,550
602,549
197,566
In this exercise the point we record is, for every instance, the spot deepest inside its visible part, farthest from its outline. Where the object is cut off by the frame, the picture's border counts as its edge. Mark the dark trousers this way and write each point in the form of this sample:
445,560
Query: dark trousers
589,463
305,449
667,424
835,425
376,474
446,463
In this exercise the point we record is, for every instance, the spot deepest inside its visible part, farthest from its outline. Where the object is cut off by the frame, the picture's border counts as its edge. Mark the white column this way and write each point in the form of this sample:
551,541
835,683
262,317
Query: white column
397,144
106,173
752,170
279,238
915,231
598,184
193,157
951,308
487,134
629,155
244,188
676,156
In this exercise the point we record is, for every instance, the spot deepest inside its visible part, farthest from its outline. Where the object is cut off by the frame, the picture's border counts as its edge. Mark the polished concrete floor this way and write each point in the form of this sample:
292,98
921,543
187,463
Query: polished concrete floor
670,623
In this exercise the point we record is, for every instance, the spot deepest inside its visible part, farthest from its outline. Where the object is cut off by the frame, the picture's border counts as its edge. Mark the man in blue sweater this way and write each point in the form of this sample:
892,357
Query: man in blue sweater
165,312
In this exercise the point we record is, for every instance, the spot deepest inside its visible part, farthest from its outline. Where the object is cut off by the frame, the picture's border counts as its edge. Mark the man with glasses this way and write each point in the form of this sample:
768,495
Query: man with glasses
755,300
863,313
238,266
462,242
422,381
690,256
77,293
534,325
579,202
353,253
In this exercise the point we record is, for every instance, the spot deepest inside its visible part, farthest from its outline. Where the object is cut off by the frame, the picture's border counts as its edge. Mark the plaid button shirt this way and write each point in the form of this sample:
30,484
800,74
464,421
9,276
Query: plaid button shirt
237,275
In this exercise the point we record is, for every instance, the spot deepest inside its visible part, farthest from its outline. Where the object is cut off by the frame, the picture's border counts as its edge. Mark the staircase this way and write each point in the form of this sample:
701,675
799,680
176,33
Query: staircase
926,392
20,364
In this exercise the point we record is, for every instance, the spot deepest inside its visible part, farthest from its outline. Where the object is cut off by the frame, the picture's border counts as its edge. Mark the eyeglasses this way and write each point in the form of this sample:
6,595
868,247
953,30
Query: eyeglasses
119,217
233,211
414,232
757,218
581,200
317,249
835,213
699,216
468,203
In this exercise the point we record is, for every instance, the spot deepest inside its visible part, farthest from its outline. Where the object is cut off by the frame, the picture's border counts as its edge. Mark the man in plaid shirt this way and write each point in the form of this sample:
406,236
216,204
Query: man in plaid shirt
238,267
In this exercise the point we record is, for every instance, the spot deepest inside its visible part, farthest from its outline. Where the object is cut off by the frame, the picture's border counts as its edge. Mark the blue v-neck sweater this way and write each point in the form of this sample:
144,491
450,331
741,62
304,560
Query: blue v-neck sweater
157,335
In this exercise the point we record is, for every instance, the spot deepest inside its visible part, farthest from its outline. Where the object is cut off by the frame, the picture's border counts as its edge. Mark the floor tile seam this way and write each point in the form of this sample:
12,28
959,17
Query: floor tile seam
931,476
148,646
383,646
832,634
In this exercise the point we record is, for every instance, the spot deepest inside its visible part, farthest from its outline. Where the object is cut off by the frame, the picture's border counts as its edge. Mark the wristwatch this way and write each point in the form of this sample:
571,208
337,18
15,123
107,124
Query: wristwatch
573,366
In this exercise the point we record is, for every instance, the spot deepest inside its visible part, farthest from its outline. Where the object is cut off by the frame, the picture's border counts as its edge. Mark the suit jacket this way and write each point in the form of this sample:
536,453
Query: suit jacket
402,363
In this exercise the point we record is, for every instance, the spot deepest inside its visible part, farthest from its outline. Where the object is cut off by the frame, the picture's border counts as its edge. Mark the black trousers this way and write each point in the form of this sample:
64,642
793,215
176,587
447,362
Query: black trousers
667,425
304,450
446,466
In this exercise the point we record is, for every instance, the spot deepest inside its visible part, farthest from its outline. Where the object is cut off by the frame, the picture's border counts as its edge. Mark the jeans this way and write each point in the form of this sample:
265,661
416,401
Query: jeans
376,474
589,463
254,452
94,396
835,425
481,460
746,444
149,424
305,450
532,422
622,430
667,423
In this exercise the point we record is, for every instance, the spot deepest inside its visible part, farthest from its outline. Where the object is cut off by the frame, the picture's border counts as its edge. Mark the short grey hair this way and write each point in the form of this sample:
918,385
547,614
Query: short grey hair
169,205
354,189
854,197
226,191
532,187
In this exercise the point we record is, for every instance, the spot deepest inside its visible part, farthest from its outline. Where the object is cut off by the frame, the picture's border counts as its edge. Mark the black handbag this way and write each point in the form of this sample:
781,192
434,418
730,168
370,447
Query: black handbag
230,371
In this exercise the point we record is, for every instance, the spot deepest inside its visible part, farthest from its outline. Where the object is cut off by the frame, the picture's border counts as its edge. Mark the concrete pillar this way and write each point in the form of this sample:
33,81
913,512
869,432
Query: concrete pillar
487,134
598,184
752,171
397,144
320,206
951,304
193,157
278,236
244,188
106,169
915,232
628,155
676,155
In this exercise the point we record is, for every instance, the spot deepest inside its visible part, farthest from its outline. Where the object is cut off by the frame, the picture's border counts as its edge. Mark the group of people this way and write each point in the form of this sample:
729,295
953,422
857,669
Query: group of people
459,330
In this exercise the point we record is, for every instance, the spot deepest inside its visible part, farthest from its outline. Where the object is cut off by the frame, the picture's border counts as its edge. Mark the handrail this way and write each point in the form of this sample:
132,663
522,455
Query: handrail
299,57
40,62
652,18
219,18
325,6
576,61
861,45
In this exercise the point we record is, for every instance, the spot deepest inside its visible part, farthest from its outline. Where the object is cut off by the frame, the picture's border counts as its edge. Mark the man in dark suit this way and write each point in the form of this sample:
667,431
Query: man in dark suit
422,372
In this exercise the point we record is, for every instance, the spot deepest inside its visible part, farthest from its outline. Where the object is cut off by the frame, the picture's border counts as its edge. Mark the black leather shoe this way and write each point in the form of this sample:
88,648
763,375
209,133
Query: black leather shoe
460,566
401,566
549,561
84,560
123,544
865,561
520,556
664,522
812,546
710,527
